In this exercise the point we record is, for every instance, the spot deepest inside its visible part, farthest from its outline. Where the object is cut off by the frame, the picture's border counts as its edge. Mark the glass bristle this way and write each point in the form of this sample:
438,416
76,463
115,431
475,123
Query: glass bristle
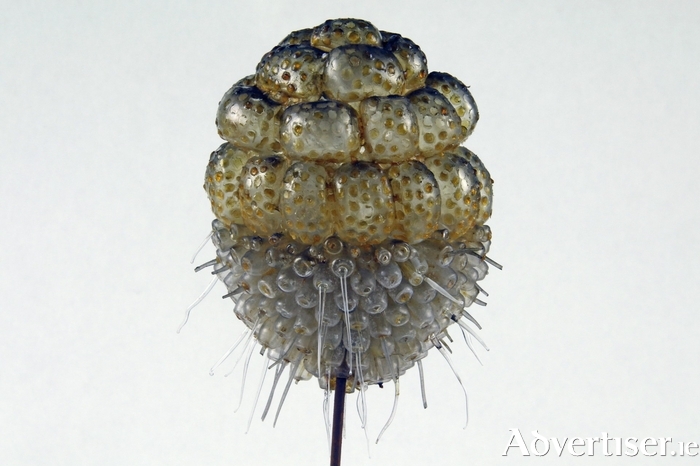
199,299
246,365
292,371
229,351
263,373
278,373
446,355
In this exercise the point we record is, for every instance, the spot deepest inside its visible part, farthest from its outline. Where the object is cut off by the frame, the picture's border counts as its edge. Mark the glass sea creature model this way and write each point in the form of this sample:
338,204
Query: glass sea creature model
350,221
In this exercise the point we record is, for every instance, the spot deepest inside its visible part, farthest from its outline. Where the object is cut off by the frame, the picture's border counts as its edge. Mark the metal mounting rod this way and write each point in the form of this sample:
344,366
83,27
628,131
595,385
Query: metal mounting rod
338,415
341,382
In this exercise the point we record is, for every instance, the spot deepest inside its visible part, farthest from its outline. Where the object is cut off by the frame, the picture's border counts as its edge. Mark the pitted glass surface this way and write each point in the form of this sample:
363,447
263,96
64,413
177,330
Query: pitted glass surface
324,130
411,57
248,118
291,73
459,96
347,31
416,200
390,128
223,179
439,126
364,208
354,72
304,203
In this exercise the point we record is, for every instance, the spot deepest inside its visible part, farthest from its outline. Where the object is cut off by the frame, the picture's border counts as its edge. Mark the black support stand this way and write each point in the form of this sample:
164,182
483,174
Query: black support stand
341,384
338,415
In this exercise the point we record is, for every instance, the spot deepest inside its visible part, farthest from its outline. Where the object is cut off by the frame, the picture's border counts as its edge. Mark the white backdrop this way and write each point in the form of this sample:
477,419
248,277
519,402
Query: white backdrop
589,118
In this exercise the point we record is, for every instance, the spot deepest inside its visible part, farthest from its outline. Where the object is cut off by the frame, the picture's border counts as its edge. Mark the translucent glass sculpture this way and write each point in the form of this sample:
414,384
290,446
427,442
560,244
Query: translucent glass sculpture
350,223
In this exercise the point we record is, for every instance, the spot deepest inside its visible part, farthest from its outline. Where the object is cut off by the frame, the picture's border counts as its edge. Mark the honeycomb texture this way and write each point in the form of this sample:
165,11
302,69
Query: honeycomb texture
249,119
334,95
325,130
261,183
458,95
411,58
304,205
354,72
485,184
291,73
390,128
337,32
440,127
417,201
300,37
364,203
459,192
222,179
